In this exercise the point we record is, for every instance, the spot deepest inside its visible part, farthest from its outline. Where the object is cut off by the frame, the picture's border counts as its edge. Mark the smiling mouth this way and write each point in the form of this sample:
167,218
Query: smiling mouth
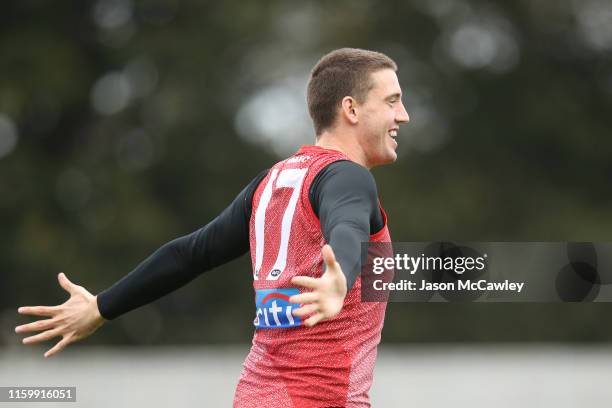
393,133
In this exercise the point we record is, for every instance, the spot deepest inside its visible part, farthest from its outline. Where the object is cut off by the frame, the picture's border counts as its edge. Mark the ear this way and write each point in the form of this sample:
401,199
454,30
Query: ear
349,109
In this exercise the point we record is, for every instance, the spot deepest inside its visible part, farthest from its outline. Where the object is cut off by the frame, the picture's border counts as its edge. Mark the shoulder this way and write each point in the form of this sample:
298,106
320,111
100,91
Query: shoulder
252,186
346,172
343,179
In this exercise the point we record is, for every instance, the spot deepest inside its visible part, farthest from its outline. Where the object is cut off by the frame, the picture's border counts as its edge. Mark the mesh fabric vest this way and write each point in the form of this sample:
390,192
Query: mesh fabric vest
290,365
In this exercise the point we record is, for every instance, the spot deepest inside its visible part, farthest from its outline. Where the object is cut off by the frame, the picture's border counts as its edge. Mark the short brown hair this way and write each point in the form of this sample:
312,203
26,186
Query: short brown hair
342,72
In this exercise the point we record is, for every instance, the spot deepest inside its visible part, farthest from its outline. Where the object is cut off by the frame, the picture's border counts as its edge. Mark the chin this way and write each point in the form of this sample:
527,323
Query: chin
390,156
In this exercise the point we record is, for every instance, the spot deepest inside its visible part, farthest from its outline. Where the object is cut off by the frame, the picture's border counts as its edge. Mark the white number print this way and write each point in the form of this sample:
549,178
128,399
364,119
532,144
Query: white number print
288,178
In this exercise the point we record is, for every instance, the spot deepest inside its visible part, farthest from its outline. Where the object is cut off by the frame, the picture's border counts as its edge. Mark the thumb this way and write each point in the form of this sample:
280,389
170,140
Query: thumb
329,258
65,283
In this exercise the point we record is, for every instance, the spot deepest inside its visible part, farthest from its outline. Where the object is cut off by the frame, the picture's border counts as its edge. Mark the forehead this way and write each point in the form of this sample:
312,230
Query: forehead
384,83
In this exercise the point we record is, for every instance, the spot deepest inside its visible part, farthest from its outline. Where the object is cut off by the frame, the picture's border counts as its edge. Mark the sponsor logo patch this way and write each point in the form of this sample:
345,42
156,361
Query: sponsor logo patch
273,309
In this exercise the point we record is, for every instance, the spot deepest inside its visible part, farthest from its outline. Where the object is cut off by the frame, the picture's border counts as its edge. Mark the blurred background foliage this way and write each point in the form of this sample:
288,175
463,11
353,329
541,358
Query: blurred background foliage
124,124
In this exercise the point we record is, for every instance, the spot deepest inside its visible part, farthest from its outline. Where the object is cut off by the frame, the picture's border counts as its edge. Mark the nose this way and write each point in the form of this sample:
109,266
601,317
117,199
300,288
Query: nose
402,116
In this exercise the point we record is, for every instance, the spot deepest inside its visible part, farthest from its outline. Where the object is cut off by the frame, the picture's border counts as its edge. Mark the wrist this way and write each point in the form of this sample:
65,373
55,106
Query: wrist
98,316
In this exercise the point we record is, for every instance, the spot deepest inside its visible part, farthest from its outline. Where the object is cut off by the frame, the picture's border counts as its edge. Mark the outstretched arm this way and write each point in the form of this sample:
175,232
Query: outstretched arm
183,259
170,267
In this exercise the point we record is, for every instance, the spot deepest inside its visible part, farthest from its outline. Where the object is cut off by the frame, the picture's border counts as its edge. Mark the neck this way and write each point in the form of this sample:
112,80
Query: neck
351,149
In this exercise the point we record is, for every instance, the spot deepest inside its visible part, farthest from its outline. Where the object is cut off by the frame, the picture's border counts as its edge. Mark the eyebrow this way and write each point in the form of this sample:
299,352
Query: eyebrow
396,95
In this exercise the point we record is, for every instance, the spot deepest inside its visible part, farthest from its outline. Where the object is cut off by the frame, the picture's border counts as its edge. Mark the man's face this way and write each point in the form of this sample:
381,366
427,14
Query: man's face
379,118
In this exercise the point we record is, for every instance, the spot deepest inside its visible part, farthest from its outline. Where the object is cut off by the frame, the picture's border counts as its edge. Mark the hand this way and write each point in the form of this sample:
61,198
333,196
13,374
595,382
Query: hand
328,292
75,319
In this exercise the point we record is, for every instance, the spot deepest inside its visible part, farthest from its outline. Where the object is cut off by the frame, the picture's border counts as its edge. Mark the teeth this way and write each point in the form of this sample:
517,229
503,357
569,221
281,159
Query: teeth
393,133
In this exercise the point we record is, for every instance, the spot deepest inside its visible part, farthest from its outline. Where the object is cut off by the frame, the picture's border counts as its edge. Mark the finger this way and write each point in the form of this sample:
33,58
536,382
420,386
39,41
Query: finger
306,310
65,283
302,298
328,256
305,281
38,310
49,334
314,319
58,347
35,326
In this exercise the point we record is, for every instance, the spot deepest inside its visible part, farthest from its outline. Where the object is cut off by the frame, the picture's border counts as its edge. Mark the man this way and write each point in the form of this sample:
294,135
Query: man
315,341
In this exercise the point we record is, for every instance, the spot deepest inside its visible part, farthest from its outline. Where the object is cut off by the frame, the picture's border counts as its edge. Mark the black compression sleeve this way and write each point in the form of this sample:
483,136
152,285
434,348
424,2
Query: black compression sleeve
183,259
345,199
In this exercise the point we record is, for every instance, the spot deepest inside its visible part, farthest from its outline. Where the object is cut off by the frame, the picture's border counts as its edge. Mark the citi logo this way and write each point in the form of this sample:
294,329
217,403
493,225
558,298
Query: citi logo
273,309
